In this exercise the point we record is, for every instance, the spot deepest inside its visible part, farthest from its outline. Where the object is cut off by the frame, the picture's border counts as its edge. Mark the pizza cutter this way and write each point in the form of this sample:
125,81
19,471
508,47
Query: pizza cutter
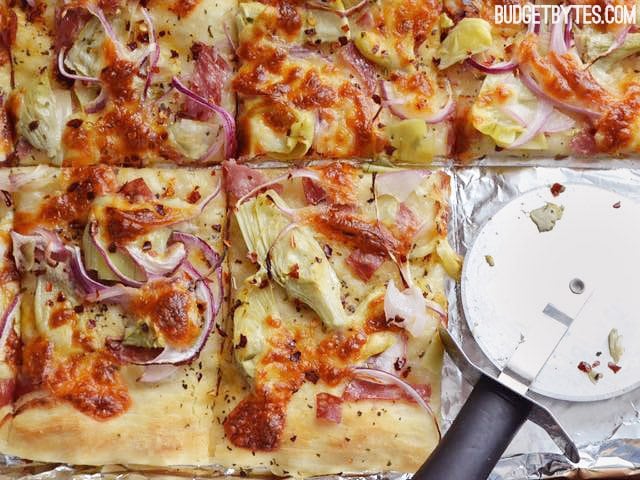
541,299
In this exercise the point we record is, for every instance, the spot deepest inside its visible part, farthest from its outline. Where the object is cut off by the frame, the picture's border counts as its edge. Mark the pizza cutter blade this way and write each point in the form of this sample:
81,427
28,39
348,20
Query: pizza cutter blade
539,303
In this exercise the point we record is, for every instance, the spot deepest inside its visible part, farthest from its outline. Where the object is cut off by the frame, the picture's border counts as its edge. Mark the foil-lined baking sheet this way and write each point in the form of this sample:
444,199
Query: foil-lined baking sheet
606,432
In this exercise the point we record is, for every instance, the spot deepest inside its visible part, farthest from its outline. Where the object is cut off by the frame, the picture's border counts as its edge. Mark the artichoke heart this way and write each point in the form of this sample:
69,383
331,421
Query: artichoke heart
192,138
292,256
502,100
256,306
414,141
468,37
42,115
295,143
85,57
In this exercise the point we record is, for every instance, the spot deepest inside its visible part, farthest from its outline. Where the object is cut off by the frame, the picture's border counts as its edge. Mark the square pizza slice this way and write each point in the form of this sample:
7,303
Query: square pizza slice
336,80
332,362
123,82
122,279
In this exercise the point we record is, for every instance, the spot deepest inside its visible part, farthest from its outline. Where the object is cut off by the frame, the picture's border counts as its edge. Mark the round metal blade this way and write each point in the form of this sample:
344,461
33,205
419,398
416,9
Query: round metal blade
587,266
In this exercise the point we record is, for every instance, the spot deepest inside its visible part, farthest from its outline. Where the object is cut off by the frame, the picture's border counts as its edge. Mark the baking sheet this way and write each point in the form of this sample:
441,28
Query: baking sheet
606,432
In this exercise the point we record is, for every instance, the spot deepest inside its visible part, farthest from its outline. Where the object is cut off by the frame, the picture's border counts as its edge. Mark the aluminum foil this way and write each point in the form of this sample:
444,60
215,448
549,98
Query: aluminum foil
606,432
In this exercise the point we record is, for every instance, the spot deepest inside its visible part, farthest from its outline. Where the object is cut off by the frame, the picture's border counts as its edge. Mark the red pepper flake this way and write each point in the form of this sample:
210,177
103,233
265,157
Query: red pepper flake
557,189
617,205
595,364
252,257
194,196
584,367
613,367
295,271
243,342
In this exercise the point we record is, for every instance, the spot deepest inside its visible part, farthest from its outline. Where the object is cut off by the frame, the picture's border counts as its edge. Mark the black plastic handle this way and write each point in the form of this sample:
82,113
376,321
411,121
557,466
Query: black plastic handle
479,435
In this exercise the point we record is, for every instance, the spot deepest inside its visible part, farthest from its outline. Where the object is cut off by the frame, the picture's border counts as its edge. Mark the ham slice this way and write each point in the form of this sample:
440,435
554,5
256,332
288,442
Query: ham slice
364,264
136,190
240,180
363,68
68,24
358,390
313,193
584,143
207,80
329,407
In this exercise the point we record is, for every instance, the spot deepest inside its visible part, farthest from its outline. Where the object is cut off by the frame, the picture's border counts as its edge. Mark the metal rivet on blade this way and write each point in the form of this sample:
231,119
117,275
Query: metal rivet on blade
576,286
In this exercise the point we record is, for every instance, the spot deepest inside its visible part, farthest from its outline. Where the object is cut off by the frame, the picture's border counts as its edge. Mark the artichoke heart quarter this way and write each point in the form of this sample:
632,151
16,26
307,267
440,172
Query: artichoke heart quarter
292,256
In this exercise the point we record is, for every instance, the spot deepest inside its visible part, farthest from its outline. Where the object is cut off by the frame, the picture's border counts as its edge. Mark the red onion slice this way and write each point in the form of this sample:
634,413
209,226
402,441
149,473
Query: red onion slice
8,318
500,67
228,122
299,173
400,185
71,76
397,107
319,5
192,242
395,355
158,267
79,274
93,235
98,103
154,46
531,84
385,378
557,41
114,294
536,126
157,373
410,310
20,179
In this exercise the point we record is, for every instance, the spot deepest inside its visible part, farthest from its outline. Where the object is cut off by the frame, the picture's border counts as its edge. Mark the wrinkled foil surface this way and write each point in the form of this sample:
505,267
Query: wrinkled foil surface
606,432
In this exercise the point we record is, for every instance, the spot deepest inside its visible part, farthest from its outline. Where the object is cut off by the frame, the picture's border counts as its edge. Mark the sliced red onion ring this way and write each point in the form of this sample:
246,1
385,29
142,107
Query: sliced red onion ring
158,267
8,318
568,35
384,378
93,235
192,242
98,103
79,274
157,373
500,67
409,309
557,42
543,112
299,173
535,22
175,356
397,107
531,84
617,43
108,29
395,355
319,5
154,46
228,122
401,184
71,76
115,294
